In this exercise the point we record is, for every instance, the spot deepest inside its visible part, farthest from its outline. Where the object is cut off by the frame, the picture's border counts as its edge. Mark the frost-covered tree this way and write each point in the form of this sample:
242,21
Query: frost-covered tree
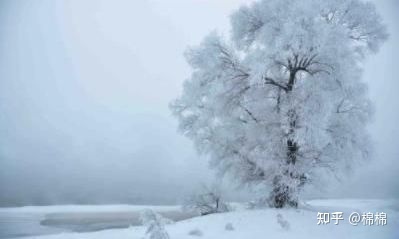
155,224
282,101
209,200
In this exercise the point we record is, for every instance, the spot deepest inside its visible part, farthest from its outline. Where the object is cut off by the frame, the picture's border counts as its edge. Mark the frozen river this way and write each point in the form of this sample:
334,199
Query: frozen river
41,220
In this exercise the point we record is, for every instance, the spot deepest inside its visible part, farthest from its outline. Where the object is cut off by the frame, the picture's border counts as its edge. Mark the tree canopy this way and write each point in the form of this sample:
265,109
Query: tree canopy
282,100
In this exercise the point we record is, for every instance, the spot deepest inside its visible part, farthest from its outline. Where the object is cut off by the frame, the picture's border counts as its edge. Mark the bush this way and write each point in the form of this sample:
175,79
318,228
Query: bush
155,225
208,201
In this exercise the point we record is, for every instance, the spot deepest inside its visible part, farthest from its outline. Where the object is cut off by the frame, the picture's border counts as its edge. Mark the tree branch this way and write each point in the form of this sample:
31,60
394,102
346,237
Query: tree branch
250,113
270,81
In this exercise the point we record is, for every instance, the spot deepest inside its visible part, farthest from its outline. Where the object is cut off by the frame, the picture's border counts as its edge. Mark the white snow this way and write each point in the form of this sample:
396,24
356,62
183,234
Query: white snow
263,224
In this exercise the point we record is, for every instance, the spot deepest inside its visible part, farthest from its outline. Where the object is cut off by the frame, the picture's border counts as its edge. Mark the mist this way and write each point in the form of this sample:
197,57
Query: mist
84,94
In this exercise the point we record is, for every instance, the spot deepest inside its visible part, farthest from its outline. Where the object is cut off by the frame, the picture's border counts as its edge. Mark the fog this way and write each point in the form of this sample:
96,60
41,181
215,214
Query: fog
84,94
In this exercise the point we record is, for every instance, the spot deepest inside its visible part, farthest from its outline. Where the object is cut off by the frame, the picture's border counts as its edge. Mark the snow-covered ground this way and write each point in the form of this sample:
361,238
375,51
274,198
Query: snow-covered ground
251,224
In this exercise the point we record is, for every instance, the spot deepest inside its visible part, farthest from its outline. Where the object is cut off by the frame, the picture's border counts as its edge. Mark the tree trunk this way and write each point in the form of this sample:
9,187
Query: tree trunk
282,196
284,186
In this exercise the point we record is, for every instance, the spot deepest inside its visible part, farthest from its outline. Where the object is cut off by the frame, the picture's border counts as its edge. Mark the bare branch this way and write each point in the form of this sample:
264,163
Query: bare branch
270,81
231,63
249,113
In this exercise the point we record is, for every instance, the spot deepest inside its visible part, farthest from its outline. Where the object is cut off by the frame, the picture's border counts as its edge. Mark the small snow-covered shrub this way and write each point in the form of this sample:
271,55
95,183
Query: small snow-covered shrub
195,232
229,227
283,223
208,201
155,225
